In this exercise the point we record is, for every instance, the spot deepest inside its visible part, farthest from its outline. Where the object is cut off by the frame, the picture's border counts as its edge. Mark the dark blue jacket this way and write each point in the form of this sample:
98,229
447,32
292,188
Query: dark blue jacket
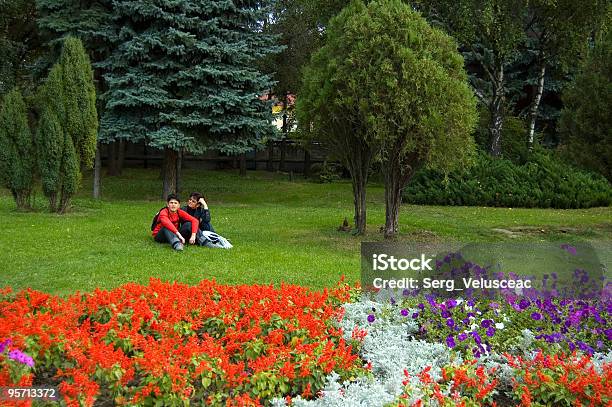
202,215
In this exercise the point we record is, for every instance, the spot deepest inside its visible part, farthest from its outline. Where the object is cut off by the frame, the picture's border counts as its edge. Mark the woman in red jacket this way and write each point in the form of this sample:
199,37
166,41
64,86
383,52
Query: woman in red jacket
168,223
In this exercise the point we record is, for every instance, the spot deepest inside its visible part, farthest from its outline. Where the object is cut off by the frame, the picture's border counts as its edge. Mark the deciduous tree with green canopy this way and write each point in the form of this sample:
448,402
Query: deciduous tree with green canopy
16,149
328,104
388,86
558,32
491,32
585,124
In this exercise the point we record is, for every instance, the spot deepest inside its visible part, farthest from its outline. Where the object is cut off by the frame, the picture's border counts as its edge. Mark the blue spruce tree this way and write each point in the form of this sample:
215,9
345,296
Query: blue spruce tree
183,78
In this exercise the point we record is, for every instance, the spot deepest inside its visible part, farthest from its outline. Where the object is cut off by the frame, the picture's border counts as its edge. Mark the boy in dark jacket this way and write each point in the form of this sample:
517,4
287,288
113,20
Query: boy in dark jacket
168,221
197,207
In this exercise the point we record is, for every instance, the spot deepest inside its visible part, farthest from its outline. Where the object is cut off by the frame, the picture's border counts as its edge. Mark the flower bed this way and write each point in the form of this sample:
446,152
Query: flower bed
172,343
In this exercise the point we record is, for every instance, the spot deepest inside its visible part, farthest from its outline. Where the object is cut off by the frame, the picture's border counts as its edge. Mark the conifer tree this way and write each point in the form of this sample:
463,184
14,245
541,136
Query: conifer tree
66,137
16,149
49,143
183,78
81,120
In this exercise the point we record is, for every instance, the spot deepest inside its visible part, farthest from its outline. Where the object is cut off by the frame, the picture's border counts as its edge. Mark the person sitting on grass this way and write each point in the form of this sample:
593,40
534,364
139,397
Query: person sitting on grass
167,228
197,207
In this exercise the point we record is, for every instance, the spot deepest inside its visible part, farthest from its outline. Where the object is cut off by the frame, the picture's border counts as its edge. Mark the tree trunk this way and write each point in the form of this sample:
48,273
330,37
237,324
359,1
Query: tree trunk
53,202
397,171
97,173
283,148
496,109
306,163
120,156
179,169
113,159
358,161
359,201
64,203
393,197
270,161
243,170
22,199
170,159
533,114
146,155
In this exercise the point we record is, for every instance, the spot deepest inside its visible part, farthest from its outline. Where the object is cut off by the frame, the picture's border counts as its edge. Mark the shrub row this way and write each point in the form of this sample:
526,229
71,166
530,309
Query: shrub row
541,182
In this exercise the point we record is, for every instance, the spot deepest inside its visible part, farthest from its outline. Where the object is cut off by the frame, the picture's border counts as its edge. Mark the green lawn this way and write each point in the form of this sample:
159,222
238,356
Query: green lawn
281,230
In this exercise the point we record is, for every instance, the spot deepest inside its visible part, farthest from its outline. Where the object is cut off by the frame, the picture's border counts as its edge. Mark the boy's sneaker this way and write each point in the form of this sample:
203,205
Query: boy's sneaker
178,246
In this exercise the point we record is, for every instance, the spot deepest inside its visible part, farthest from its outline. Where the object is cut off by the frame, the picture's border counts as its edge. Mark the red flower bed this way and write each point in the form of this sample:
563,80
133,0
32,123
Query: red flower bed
558,380
212,344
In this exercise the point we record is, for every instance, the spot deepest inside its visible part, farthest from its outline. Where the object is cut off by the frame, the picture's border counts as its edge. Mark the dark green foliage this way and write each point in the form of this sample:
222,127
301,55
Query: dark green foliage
16,149
71,174
543,181
183,76
586,121
66,137
81,119
49,143
19,44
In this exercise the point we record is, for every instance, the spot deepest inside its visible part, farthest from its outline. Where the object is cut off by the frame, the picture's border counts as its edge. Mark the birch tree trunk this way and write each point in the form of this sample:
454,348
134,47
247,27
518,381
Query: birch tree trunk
496,109
533,113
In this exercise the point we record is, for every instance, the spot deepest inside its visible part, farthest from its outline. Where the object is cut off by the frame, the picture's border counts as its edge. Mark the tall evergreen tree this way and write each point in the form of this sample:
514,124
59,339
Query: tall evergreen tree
66,137
16,149
81,116
183,78
50,142
20,45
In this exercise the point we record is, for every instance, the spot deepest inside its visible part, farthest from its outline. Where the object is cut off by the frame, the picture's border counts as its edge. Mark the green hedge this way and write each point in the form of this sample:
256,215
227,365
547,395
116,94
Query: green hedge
542,181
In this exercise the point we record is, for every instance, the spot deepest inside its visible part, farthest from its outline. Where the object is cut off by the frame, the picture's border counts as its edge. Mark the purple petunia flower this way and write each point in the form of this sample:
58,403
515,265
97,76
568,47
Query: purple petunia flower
415,315
421,306
491,331
471,302
450,322
446,314
404,312
19,356
4,344
462,336
486,323
524,304
451,303
536,316
371,318
477,338
450,341
585,348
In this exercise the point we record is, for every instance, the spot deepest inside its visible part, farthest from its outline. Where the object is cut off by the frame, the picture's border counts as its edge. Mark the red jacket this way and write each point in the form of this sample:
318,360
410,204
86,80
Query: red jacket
170,221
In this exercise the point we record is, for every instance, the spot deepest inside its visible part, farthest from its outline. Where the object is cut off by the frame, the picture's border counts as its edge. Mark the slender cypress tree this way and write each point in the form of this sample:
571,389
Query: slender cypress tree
81,120
183,78
16,149
49,143
66,137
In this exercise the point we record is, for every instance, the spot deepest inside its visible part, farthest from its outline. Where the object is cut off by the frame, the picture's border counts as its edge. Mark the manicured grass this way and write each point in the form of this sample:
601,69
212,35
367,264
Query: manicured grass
282,232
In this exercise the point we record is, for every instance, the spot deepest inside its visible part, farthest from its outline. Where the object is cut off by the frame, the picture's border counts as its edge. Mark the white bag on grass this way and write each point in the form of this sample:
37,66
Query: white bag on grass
213,240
